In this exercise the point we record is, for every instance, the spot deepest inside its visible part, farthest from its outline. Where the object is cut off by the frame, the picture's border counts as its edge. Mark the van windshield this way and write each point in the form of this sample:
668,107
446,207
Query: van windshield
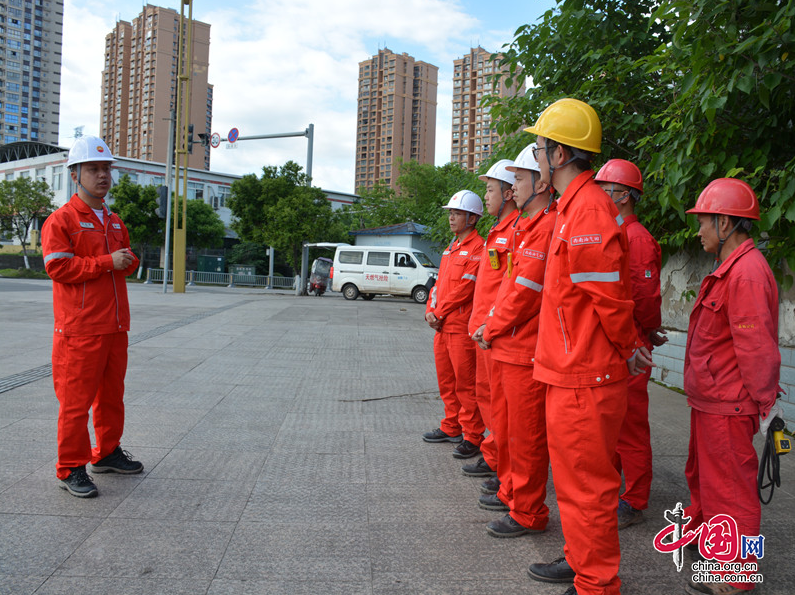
424,260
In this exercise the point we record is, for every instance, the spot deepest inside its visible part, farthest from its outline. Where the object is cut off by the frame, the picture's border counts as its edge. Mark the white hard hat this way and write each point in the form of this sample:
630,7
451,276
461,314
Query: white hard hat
500,171
466,200
525,160
89,148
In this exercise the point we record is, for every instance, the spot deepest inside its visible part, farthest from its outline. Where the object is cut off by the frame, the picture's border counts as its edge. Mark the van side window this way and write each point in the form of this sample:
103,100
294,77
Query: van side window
350,257
379,259
403,260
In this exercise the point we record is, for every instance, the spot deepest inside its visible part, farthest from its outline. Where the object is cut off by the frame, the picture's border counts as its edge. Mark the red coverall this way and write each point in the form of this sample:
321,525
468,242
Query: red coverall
518,401
490,276
92,317
586,335
633,453
453,350
736,313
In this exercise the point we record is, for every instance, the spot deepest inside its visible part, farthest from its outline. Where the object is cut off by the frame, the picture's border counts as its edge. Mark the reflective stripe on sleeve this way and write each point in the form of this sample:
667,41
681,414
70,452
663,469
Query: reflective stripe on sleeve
53,255
602,277
470,277
529,283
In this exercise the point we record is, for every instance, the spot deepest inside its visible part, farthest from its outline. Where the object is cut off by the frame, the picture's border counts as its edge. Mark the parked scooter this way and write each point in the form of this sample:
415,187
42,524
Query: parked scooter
319,276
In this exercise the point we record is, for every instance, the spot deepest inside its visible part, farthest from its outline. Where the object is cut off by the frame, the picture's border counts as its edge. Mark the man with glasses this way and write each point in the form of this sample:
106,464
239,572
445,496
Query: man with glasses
623,182
587,348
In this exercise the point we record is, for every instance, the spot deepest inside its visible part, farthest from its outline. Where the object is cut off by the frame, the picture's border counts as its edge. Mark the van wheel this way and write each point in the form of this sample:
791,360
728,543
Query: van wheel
420,294
368,296
350,291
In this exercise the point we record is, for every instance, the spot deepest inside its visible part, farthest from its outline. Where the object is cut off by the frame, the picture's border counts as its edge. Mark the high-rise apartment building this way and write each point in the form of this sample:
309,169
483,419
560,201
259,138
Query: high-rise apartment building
139,86
473,134
396,116
31,35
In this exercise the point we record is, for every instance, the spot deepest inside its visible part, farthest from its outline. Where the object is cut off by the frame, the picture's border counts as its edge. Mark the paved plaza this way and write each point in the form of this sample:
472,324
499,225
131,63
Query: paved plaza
281,439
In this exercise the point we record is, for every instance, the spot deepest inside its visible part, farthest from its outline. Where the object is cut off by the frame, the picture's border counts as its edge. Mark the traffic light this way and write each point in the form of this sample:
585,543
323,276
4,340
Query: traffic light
204,138
162,201
190,139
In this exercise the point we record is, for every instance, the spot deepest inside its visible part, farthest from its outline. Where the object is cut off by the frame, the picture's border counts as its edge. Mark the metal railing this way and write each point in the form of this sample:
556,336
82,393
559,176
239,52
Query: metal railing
228,279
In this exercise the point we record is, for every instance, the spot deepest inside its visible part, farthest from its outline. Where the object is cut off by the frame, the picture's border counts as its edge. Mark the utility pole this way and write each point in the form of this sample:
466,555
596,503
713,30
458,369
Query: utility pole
185,69
169,189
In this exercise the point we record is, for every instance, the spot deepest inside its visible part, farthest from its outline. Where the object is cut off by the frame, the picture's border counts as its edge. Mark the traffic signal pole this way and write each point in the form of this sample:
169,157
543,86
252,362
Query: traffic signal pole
309,133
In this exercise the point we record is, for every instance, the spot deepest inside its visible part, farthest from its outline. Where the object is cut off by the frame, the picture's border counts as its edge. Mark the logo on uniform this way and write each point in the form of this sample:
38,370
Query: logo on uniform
534,254
87,224
593,238
116,225
464,253
502,241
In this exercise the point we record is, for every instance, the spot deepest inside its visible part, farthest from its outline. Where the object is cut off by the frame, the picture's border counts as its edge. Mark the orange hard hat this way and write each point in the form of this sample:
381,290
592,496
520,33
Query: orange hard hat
621,171
728,196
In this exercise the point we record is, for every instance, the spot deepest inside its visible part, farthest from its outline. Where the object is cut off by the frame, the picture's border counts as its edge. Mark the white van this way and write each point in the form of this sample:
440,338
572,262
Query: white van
374,270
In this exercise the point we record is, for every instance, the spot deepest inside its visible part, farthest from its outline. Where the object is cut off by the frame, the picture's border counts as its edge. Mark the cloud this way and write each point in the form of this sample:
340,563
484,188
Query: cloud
279,65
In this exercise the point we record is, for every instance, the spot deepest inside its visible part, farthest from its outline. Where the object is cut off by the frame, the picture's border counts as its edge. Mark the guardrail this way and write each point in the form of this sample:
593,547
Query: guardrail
228,279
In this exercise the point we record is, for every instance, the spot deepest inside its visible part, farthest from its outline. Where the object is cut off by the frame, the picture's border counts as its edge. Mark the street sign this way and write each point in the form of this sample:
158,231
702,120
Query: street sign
233,134
215,140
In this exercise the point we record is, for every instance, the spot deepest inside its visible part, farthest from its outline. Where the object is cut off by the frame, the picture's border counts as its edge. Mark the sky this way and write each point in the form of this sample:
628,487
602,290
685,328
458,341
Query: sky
279,65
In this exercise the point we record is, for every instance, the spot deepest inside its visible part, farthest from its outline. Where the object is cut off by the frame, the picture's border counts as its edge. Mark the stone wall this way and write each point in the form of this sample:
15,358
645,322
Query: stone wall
680,280
14,261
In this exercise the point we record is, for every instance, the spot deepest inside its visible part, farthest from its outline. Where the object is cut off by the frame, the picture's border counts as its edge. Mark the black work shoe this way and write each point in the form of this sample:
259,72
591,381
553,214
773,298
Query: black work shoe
491,485
507,527
627,515
438,436
466,450
557,571
118,461
479,469
79,483
491,502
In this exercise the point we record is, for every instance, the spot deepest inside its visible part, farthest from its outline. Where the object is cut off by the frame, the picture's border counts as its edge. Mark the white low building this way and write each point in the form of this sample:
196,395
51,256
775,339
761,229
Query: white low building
48,163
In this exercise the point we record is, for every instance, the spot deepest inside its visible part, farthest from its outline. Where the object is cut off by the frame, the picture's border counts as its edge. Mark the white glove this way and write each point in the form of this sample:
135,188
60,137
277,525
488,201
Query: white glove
764,423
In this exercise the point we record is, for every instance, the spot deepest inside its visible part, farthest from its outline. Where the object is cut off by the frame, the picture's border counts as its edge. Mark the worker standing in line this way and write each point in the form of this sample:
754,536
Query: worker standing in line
587,348
493,264
732,369
87,255
447,312
511,333
623,182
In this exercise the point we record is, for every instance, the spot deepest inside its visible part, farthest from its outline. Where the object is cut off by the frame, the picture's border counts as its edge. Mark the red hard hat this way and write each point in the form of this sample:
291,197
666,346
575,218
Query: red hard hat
728,196
621,171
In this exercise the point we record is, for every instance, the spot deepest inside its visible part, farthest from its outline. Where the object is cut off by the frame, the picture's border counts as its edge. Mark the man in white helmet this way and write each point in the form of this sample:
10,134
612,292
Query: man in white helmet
87,255
511,334
447,312
493,265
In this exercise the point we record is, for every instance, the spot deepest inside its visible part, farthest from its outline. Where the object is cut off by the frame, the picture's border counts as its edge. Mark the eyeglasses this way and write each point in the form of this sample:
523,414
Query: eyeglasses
537,149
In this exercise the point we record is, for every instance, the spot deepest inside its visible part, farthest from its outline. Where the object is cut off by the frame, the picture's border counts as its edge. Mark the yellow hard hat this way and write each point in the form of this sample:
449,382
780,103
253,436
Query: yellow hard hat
570,122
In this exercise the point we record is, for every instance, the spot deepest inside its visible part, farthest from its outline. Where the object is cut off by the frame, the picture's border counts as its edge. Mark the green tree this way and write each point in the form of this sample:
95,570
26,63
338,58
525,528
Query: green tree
280,210
205,229
22,202
250,253
423,190
137,206
690,90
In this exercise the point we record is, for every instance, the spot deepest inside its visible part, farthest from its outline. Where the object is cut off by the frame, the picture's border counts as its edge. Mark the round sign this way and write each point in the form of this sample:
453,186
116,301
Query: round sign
233,134
215,140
